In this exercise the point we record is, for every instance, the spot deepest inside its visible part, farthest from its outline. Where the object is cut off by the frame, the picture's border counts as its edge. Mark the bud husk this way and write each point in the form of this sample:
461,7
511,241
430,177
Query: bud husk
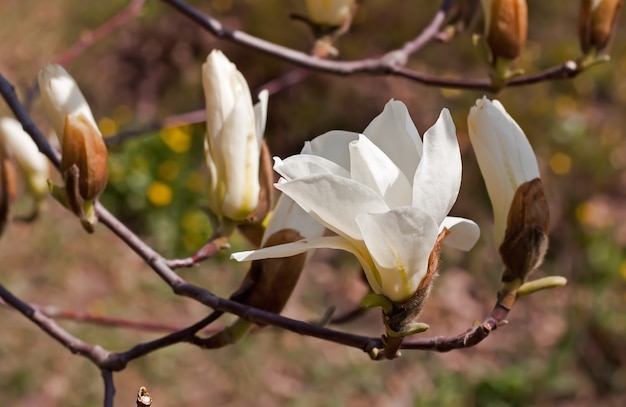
84,148
506,28
267,286
526,236
266,183
597,23
7,188
270,282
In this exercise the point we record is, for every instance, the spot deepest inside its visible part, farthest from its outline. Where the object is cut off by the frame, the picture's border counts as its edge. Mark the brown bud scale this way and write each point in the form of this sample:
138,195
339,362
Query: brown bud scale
526,236
84,147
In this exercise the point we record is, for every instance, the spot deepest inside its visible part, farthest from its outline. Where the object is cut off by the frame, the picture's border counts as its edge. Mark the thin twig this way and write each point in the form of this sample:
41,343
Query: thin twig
274,86
91,37
387,64
53,312
210,249
87,40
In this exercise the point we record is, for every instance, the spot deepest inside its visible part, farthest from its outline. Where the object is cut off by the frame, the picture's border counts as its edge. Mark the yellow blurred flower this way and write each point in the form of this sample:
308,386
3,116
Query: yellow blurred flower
160,194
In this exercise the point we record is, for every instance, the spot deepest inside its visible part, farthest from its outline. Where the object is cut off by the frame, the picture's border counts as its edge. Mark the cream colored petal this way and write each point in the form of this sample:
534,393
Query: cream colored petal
334,201
333,146
399,242
464,233
438,176
371,167
395,134
61,97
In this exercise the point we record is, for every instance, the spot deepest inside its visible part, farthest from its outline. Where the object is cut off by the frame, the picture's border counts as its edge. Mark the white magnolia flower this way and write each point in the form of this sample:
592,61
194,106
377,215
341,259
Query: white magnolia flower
384,193
329,12
62,97
30,161
233,140
504,155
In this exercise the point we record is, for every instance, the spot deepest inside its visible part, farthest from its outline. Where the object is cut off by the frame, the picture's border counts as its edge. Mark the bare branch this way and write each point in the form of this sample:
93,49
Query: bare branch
388,64
90,38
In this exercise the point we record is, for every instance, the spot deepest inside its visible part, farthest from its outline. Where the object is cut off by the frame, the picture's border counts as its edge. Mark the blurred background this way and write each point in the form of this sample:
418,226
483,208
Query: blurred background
564,347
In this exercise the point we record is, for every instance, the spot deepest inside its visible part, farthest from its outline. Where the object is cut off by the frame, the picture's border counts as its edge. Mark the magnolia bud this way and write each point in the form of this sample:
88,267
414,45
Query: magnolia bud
596,23
506,26
329,12
504,155
526,238
84,154
84,148
61,96
233,139
32,164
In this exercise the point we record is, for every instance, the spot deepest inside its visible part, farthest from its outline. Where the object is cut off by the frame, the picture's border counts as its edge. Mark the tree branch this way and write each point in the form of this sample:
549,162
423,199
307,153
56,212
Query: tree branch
109,387
388,64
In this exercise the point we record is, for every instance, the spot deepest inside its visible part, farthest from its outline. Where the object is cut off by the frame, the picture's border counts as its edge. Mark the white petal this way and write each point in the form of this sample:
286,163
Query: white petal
220,83
371,167
333,146
61,96
291,249
260,114
395,134
288,215
464,233
504,155
334,201
237,157
438,176
302,165
400,242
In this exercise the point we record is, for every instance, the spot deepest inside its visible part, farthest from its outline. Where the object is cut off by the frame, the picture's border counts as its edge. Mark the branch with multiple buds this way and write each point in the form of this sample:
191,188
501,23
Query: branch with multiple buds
383,194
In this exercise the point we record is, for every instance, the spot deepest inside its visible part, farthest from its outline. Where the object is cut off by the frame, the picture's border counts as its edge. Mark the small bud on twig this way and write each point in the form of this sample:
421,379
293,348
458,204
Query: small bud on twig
596,24
506,27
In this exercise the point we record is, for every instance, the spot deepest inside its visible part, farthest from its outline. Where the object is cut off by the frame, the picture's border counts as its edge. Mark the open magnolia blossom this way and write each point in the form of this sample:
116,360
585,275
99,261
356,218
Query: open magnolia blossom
233,139
504,155
385,193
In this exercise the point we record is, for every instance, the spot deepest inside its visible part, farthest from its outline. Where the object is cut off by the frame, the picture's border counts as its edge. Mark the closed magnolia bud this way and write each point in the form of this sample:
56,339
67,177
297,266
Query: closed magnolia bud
233,139
506,27
596,23
505,157
329,12
84,149
32,164
61,96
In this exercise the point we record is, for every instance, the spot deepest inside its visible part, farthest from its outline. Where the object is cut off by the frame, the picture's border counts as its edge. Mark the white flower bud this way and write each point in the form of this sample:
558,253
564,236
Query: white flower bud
233,138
